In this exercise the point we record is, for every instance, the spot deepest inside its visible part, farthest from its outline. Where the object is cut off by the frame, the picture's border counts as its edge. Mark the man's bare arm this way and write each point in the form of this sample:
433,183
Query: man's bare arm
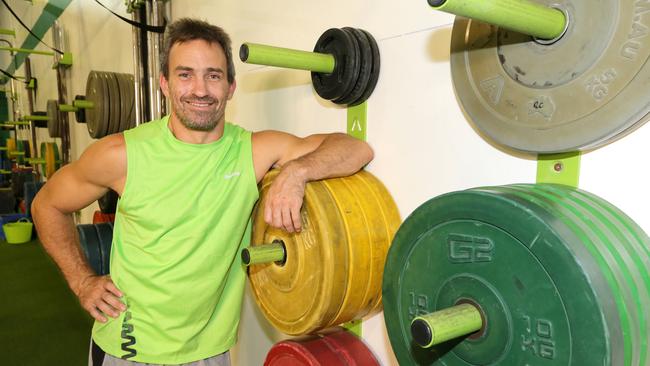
302,160
73,187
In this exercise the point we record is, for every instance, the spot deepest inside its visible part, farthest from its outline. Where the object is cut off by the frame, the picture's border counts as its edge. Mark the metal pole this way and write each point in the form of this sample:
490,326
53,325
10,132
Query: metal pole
137,68
59,42
150,7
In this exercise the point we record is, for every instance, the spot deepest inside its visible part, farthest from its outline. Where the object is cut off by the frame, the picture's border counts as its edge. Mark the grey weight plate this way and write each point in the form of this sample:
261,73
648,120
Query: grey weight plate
579,93
53,123
126,86
124,102
95,93
112,124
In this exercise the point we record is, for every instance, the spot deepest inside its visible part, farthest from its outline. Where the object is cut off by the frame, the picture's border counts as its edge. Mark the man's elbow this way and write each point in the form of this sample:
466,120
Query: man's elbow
366,153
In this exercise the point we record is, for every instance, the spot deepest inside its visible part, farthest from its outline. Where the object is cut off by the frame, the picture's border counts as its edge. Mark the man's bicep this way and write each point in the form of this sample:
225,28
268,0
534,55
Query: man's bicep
70,189
81,182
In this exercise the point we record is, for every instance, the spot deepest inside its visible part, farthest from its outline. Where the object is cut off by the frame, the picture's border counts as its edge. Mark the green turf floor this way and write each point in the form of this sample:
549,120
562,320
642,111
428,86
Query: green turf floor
41,321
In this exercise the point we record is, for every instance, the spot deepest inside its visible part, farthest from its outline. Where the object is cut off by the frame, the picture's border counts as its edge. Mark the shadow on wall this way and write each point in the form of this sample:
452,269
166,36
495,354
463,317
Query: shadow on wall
438,45
272,79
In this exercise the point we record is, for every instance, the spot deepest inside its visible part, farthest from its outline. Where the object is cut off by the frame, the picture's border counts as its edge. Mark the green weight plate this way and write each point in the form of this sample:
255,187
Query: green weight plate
579,93
90,246
535,269
105,237
53,123
95,117
622,251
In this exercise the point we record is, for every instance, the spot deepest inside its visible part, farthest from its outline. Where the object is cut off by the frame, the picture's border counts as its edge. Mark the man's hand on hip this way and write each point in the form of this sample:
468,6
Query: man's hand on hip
99,296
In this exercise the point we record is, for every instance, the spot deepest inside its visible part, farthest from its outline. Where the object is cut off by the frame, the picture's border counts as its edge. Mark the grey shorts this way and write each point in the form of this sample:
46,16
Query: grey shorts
97,357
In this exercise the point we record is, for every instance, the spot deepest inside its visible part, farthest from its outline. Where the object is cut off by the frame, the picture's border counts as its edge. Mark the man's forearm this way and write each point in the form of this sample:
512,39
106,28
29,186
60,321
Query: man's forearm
338,155
58,235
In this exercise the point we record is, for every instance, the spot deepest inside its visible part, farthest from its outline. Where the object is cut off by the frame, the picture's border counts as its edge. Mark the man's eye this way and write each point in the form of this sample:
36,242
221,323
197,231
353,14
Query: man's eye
214,77
184,75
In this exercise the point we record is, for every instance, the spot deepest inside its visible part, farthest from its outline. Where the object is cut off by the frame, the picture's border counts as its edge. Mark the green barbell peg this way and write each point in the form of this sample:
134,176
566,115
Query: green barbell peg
265,253
523,16
447,324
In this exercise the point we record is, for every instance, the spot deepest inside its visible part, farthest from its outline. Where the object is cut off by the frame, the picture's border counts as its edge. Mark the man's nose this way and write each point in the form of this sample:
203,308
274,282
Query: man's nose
199,87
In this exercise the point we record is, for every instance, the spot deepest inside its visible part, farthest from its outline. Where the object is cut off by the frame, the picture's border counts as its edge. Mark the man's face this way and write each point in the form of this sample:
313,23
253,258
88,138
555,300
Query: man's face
198,87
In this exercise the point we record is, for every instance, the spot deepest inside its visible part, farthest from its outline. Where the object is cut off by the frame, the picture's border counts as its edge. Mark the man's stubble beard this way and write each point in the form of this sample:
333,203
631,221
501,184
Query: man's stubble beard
207,121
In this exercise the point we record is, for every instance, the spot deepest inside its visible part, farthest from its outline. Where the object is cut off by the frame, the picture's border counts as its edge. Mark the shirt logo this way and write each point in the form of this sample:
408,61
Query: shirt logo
231,175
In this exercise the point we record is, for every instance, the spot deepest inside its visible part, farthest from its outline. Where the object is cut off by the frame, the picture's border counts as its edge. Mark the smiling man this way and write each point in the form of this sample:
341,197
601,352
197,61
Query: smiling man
187,185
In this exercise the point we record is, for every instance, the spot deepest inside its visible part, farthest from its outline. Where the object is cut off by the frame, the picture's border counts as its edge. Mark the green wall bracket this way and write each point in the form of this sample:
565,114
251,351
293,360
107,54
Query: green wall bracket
559,168
354,327
357,127
65,60
36,118
357,121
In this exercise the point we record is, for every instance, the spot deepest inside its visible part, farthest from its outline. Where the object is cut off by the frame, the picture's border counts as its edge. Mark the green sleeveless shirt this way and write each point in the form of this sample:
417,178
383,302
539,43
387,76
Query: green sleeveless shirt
181,222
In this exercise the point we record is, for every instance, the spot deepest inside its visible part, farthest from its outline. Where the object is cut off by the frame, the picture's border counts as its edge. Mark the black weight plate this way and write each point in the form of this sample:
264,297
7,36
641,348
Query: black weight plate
339,44
108,202
90,246
80,114
105,236
374,73
7,201
345,94
365,62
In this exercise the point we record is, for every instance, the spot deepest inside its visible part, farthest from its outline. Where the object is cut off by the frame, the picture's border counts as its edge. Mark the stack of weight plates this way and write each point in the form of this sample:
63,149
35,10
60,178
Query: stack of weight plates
559,275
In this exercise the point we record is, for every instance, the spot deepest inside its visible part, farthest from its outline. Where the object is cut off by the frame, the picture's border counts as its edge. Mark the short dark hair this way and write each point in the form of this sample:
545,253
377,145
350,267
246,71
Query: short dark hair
187,29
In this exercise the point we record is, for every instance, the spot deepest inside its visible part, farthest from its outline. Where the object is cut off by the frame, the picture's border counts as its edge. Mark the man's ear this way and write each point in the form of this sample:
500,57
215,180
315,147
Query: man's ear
231,89
164,86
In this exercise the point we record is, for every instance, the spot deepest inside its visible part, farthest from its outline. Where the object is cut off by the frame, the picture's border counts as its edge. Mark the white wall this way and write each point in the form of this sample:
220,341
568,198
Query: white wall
424,146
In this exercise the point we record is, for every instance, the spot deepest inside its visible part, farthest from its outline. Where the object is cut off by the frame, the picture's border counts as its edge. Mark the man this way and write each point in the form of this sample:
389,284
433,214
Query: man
187,185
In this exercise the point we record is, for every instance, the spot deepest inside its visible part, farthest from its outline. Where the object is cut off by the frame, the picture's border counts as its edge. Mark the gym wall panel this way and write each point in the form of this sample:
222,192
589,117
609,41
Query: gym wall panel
424,146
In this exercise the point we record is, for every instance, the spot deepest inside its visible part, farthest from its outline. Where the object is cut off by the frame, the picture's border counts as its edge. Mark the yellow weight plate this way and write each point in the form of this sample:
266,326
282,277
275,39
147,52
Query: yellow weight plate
333,268
370,236
11,145
50,153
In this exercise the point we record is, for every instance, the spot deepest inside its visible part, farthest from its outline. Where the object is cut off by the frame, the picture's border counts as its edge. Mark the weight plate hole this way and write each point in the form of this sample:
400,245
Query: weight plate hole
567,17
